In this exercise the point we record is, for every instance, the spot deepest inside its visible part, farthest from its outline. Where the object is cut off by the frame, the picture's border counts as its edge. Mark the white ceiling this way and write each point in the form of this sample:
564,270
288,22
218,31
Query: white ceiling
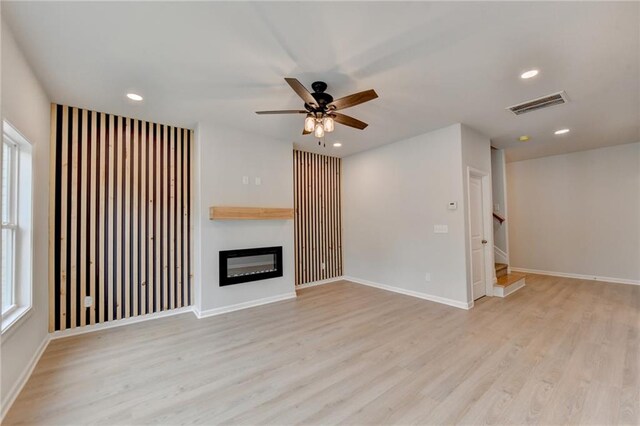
433,64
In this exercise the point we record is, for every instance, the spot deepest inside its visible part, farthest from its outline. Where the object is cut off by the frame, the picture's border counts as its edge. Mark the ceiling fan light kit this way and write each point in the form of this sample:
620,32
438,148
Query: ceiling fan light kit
320,108
309,123
328,124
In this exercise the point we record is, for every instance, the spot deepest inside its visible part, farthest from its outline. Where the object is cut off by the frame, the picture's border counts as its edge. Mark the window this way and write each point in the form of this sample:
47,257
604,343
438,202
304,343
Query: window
15,259
9,224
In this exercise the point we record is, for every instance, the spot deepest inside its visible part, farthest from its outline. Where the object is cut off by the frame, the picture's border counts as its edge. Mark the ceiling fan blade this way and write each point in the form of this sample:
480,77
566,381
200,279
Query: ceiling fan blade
302,91
349,121
284,111
353,100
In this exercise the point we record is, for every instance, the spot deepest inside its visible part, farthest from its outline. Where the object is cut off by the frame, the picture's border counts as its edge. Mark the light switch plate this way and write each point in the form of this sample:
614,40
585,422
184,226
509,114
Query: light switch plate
258,181
88,301
441,229
245,180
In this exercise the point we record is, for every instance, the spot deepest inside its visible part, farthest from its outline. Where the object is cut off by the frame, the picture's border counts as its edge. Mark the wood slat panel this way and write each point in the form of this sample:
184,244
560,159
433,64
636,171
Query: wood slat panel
135,224
74,189
63,203
317,214
151,241
53,181
83,200
126,220
164,247
157,236
171,218
179,216
101,250
110,245
120,227
186,180
92,234
295,223
143,212
119,217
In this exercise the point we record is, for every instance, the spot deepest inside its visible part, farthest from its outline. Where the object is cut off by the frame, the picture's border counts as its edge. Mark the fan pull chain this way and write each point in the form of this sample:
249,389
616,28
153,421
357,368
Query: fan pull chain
322,142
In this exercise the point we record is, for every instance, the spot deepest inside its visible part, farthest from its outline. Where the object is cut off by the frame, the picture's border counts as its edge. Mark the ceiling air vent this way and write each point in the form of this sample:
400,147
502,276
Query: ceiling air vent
543,102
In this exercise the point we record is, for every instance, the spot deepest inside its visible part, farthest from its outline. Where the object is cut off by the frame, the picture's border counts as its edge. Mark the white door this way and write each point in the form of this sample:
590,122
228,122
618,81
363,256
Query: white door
477,237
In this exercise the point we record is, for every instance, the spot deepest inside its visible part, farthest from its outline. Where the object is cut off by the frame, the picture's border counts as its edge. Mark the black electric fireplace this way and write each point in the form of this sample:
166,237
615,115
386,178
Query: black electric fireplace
254,264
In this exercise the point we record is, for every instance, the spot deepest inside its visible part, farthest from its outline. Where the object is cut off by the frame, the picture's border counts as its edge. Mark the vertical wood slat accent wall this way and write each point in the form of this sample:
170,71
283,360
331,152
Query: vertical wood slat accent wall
318,217
120,217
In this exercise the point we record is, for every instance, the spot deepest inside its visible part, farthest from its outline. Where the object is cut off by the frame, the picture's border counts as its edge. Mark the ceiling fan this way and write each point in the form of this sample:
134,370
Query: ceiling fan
320,108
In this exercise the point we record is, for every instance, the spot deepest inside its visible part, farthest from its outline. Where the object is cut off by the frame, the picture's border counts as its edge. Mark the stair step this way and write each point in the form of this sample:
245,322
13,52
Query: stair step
508,279
501,266
508,284
501,269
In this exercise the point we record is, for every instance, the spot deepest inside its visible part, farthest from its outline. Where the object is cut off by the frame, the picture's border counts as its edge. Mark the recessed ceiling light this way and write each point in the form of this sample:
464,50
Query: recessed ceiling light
562,131
529,74
337,144
134,96
523,138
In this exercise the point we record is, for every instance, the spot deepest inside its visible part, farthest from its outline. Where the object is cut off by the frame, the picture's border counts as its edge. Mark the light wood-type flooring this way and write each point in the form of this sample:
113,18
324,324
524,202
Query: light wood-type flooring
559,351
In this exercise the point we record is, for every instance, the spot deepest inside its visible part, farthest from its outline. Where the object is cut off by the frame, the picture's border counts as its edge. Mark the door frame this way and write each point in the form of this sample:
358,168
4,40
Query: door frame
485,179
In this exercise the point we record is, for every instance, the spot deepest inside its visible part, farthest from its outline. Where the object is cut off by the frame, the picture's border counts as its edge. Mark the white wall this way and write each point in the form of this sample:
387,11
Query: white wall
392,197
224,157
577,213
499,177
26,106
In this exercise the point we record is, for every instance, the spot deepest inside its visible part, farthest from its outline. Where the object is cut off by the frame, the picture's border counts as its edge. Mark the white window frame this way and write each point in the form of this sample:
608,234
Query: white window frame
12,222
20,221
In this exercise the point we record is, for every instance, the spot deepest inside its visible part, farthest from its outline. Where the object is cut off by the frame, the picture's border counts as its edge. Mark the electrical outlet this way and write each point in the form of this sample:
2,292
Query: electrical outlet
427,277
258,181
322,265
88,301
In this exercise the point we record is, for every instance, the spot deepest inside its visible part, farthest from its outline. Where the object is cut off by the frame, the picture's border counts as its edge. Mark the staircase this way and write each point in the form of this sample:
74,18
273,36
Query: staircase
507,282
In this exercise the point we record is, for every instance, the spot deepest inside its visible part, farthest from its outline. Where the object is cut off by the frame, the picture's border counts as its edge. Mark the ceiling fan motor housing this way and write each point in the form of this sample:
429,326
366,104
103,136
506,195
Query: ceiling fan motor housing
319,86
322,98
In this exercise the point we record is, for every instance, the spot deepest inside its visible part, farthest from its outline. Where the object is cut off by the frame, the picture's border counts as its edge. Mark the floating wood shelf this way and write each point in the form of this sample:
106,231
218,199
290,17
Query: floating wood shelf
249,213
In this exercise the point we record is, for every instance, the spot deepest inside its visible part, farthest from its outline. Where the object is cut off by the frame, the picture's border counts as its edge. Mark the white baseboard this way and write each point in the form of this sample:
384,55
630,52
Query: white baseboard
11,396
315,283
578,276
118,323
429,297
500,291
244,305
